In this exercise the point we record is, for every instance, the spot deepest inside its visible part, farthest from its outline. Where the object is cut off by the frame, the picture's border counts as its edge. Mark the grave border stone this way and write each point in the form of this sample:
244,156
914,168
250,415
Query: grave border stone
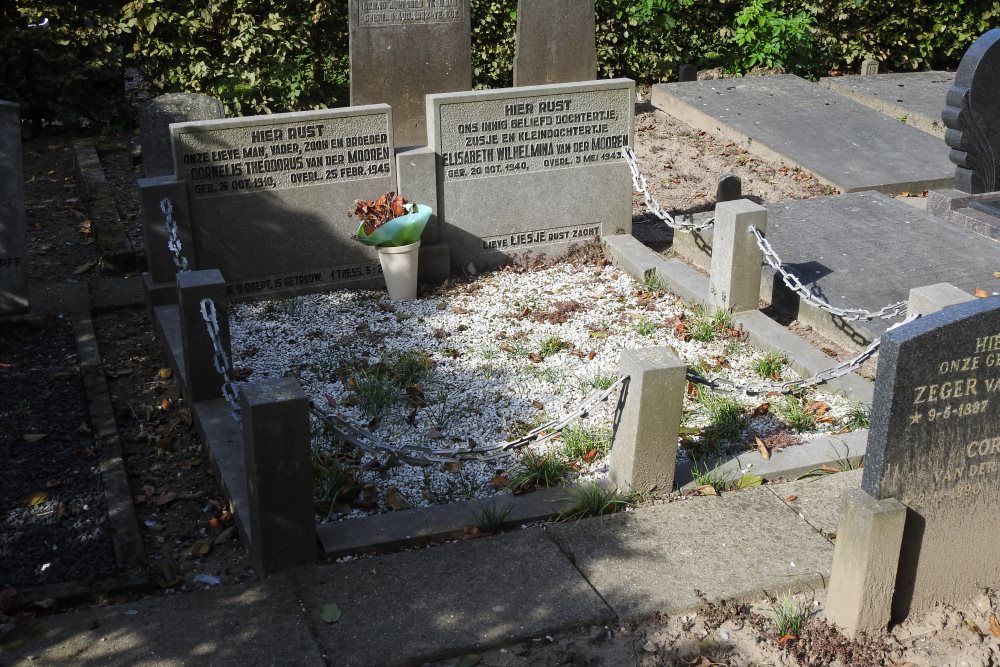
14,297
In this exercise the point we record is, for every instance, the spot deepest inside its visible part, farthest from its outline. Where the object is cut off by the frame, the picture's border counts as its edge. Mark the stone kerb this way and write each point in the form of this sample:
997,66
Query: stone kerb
270,197
531,169
402,50
13,240
934,446
556,42
644,450
734,281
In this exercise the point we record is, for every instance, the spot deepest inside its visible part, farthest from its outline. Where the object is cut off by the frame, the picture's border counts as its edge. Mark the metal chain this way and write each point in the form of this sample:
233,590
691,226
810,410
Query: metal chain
173,241
220,359
423,455
640,184
756,388
793,283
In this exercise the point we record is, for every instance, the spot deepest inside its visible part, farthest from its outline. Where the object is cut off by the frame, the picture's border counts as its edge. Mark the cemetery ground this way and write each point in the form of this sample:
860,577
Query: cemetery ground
186,532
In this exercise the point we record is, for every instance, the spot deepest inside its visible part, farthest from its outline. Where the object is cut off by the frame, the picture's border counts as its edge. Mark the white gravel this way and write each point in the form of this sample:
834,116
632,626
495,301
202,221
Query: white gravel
483,387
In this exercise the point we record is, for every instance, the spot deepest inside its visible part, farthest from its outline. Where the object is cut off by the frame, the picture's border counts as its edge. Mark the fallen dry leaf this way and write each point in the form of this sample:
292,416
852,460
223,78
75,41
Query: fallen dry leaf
994,626
761,409
202,547
784,639
164,499
33,437
590,456
765,453
791,499
395,500
981,293
706,490
36,498
165,373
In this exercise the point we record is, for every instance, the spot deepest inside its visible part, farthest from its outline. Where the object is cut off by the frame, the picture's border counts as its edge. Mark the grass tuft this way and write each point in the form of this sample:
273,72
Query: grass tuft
490,518
768,365
789,615
726,417
793,411
534,469
374,392
858,417
578,440
590,499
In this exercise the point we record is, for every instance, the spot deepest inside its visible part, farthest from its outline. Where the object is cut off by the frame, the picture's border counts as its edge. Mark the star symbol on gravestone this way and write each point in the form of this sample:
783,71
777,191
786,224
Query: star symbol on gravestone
915,418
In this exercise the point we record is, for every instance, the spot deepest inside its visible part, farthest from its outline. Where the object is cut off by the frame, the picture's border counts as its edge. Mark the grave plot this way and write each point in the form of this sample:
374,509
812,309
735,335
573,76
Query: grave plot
481,363
844,143
913,98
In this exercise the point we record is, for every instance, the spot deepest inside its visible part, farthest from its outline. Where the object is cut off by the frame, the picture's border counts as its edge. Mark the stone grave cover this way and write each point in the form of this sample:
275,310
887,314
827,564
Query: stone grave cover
531,169
270,196
934,445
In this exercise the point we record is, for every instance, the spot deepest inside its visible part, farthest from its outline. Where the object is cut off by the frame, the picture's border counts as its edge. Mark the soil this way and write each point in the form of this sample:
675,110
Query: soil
187,532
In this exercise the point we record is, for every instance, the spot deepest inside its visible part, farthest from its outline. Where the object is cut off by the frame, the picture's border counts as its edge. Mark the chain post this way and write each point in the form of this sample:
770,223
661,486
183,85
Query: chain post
220,359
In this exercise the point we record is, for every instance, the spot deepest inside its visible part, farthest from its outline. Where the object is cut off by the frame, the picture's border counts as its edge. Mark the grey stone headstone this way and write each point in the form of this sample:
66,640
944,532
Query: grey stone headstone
729,188
556,42
270,196
531,169
155,117
972,117
13,242
401,50
869,67
687,72
934,445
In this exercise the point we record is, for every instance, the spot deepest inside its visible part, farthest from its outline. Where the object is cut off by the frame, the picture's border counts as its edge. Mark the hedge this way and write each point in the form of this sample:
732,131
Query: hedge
273,55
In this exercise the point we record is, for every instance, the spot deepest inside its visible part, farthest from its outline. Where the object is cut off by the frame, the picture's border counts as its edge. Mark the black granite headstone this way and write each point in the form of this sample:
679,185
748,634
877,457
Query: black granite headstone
155,117
972,117
934,445
556,42
729,188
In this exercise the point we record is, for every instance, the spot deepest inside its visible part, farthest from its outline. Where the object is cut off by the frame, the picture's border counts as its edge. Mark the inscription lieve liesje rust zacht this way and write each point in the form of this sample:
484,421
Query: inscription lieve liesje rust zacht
953,396
375,13
258,158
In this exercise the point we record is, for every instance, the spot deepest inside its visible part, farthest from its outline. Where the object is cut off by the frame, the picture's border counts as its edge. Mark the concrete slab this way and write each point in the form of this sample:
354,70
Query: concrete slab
917,97
256,625
818,499
464,597
732,546
843,143
863,250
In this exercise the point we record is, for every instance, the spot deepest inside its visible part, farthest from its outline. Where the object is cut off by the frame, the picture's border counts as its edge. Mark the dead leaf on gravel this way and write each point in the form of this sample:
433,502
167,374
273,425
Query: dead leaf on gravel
535,357
790,499
164,373
224,536
706,490
34,437
86,266
164,499
761,409
996,274
242,373
36,499
330,400
994,626
53,484
395,500
202,547
981,293
589,456
971,625
500,482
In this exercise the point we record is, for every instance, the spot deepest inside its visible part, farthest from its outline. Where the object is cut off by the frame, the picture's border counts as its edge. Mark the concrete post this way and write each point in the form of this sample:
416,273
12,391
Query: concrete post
932,298
869,67
863,578
200,380
275,415
734,282
644,452
161,272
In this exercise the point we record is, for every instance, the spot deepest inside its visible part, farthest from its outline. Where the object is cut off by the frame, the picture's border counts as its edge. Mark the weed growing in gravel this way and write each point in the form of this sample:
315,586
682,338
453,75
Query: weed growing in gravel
859,416
726,417
652,283
722,319
553,344
789,615
645,326
550,375
590,499
599,381
578,441
374,392
441,404
410,367
705,327
534,469
843,463
490,518
768,365
793,411
702,331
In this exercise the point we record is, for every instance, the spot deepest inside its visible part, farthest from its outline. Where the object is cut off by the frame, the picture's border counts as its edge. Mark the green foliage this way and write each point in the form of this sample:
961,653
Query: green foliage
793,410
591,499
491,517
68,71
578,440
374,392
537,470
764,36
858,417
768,365
257,56
789,615
726,417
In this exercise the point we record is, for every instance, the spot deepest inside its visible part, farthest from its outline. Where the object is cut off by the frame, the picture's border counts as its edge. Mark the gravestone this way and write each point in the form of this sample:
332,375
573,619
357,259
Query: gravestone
972,118
934,445
401,50
155,117
531,169
269,196
13,243
556,42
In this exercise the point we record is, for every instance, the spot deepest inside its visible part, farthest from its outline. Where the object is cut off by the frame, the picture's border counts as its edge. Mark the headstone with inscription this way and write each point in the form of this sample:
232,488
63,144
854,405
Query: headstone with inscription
269,196
934,445
556,42
155,117
401,50
531,169
13,244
